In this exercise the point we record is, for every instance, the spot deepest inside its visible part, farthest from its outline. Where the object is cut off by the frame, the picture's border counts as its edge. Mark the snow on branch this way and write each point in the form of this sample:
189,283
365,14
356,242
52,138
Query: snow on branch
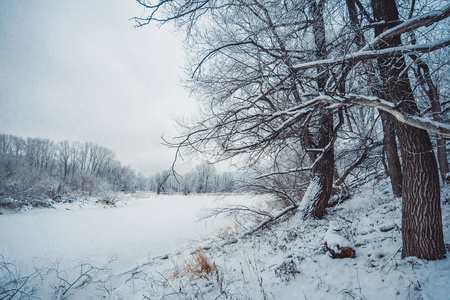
411,24
289,117
375,102
415,121
367,51
371,54
389,107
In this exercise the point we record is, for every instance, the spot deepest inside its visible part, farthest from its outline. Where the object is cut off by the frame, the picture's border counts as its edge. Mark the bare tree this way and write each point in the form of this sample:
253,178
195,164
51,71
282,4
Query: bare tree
205,174
320,147
38,168
274,74
161,180
246,72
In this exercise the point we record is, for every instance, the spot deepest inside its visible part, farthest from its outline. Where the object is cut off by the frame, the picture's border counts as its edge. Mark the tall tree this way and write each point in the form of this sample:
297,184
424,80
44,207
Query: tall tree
245,73
272,75
421,211
322,150
393,169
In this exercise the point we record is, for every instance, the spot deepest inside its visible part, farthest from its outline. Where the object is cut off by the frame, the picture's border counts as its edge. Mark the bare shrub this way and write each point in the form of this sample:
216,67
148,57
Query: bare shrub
287,270
107,195
12,283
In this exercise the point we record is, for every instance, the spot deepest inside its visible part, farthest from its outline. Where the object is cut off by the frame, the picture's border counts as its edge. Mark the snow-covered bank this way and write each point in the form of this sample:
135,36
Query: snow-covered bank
289,260
114,238
138,251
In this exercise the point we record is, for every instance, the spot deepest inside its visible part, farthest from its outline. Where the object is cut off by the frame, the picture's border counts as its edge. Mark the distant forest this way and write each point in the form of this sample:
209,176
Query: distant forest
204,178
36,168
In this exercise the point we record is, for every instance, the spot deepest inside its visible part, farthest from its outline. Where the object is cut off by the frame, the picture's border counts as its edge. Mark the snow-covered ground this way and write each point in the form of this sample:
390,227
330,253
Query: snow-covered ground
140,251
289,260
113,239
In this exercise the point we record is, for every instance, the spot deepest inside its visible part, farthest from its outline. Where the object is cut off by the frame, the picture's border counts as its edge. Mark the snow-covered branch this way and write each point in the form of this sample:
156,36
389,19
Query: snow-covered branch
411,24
372,54
389,107
375,102
367,51
415,121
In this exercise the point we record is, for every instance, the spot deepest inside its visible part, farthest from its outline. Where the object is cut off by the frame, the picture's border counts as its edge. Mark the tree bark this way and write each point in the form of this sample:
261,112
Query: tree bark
421,211
322,171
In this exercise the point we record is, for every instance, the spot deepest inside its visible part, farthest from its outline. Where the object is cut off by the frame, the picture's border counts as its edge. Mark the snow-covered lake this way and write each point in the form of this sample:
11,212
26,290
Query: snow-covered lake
135,230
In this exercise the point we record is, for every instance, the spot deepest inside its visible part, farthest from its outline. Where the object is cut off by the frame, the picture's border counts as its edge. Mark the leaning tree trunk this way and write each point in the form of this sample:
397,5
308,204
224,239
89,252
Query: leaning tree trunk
421,208
319,190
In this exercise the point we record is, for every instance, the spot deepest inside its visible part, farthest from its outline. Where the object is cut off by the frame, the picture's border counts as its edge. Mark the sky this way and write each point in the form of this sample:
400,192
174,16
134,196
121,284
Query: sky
80,71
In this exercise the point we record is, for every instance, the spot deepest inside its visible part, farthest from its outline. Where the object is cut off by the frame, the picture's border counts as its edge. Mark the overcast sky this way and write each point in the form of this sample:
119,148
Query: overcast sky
80,71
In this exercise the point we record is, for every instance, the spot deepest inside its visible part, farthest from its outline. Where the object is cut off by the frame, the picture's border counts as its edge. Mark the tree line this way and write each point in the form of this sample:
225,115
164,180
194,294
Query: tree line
36,168
319,95
204,178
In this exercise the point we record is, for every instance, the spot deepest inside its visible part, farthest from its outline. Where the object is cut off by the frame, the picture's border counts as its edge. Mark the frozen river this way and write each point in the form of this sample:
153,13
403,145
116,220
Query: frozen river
135,230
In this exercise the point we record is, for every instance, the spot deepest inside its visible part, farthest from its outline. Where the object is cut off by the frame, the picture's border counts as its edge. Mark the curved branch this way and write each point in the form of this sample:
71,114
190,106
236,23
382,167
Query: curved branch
211,53
415,121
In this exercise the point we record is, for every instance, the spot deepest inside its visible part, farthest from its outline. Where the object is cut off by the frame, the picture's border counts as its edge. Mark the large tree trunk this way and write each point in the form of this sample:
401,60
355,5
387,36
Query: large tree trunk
421,211
319,191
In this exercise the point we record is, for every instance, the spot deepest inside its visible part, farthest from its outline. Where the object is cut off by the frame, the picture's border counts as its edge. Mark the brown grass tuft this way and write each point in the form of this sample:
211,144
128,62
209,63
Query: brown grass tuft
199,265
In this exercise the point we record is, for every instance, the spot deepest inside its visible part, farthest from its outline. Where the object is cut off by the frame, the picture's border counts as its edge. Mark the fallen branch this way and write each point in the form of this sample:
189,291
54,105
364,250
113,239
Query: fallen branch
234,209
262,224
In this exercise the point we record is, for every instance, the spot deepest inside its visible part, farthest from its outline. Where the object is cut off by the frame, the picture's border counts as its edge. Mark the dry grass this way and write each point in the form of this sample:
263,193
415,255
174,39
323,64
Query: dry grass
199,265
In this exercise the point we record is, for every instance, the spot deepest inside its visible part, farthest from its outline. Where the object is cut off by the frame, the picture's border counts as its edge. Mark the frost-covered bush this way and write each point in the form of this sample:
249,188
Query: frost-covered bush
108,196
9,203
